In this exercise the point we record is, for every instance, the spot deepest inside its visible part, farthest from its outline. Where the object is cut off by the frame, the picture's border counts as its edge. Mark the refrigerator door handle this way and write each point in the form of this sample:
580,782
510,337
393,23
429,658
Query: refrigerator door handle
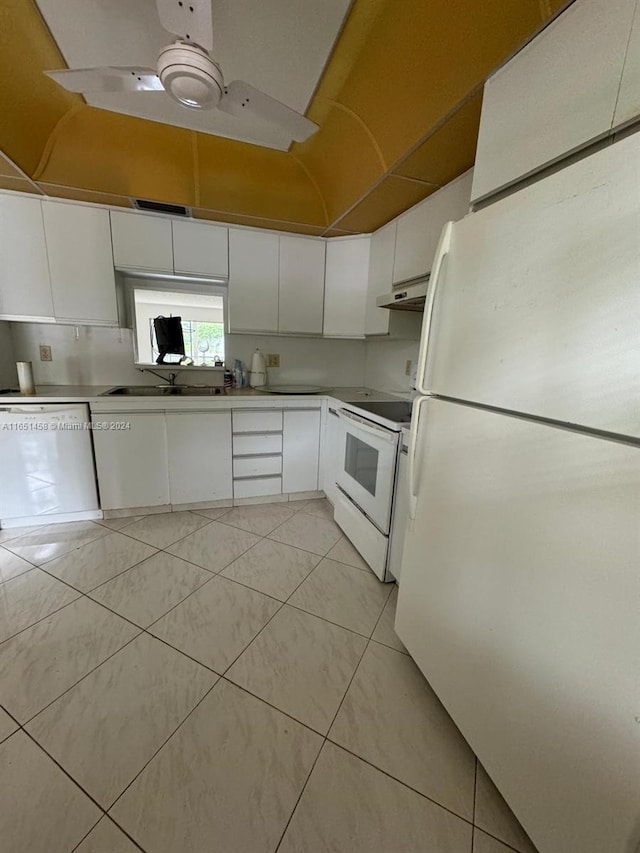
413,461
442,251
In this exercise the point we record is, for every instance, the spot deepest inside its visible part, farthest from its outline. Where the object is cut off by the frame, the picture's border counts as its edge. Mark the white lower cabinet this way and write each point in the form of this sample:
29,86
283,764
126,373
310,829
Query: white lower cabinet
301,445
330,445
131,462
188,457
275,451
199,455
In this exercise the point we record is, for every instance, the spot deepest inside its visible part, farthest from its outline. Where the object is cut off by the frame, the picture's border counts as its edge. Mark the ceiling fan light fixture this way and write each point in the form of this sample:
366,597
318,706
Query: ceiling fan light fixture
190,76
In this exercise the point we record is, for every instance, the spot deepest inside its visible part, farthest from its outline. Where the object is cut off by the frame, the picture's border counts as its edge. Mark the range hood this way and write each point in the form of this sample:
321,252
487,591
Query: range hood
408,296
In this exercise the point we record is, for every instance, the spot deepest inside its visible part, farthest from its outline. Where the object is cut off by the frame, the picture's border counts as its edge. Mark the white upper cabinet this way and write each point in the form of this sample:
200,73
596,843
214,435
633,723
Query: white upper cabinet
78,242
25,288
556,95
628,106
301,293
253,281
420,227
345,286
383,247
141,242
200,248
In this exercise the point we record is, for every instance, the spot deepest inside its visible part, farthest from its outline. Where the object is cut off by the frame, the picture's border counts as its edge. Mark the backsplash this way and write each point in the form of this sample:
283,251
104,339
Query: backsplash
98,355
386,362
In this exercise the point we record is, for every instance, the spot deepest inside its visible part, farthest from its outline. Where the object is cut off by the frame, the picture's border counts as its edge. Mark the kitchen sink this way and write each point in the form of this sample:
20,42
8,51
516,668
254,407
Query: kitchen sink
162,391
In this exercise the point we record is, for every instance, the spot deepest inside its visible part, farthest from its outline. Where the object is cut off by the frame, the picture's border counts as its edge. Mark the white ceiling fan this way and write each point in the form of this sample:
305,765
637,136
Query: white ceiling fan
188,73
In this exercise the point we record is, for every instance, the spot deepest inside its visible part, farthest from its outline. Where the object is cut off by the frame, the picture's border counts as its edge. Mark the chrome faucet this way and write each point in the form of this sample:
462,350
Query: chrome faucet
172,376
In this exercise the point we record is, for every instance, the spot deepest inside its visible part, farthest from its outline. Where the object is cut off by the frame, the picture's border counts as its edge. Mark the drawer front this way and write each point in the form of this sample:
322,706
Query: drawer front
257,466
257,488
257,421
244,445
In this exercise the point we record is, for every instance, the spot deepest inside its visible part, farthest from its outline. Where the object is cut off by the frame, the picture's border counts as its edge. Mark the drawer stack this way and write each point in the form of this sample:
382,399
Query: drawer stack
257,452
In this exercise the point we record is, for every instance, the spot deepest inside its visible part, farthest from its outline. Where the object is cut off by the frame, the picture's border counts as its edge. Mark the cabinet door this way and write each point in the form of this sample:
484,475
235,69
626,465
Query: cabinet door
301,292
554,96
300,450
383,247
330,450
199,453
25,289
132,463
419,228
345,288
200,248
628,106
253,281
141,242
80,262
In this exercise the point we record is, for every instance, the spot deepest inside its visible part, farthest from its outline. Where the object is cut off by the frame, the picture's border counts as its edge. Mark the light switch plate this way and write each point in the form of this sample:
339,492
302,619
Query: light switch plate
273,359
45,353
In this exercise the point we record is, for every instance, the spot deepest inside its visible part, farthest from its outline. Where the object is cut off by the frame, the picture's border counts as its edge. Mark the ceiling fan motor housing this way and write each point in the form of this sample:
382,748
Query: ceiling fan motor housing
190,76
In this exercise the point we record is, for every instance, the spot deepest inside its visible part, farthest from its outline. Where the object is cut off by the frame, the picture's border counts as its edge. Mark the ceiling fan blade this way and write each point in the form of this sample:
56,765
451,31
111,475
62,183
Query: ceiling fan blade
240,97
107,79
189,19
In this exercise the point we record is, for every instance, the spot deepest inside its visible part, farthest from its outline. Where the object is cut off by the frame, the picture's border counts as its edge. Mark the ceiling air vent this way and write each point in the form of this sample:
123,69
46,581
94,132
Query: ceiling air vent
161,207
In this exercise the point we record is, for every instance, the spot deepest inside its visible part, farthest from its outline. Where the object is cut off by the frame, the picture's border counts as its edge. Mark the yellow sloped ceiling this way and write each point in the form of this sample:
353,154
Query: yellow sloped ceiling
398,108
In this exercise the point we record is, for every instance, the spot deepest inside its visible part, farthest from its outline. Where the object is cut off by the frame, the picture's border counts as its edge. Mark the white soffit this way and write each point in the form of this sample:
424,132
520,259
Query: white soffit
279,46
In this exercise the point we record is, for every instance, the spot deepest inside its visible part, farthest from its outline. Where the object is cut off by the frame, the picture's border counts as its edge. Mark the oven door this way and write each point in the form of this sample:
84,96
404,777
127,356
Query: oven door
367,466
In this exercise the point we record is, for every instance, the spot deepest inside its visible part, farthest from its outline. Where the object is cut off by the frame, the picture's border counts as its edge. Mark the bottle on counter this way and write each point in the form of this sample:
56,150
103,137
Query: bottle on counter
258,376
237,373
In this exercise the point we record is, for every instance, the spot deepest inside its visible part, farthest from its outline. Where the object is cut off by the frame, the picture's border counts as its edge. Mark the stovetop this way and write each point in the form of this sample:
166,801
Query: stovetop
397,411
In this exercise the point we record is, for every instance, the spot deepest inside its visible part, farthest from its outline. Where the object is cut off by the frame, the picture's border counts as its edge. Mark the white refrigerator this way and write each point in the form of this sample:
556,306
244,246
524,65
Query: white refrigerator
520,593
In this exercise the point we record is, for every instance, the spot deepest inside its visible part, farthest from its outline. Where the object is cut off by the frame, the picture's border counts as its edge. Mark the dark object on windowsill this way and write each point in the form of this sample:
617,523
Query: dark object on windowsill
169,338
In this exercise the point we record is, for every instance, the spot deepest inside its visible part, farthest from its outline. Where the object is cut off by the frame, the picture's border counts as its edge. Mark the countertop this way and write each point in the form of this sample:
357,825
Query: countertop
93,394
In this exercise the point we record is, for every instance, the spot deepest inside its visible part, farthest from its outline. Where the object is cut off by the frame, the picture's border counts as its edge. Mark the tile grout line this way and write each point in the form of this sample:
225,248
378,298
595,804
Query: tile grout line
107,817
326,736
175,542
162,745
400,782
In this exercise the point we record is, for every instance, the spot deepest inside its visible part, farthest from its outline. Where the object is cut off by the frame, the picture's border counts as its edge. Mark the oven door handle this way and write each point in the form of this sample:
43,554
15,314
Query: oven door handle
381,433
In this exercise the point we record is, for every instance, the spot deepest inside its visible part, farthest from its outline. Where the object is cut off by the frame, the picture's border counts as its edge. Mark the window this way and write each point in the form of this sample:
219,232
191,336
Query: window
202,316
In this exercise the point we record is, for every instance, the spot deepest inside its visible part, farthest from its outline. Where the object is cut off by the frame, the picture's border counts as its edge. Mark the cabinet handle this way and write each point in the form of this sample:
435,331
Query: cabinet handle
413,452
442,251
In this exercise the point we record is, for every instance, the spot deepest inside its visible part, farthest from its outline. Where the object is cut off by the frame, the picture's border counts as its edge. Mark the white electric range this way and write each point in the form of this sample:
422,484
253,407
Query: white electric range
369,449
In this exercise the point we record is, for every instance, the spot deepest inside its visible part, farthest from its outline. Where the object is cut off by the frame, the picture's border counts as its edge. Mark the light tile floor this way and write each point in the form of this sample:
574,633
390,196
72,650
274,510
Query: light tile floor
222,681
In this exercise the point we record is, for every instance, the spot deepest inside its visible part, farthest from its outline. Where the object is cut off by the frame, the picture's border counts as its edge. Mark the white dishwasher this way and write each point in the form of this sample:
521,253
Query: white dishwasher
47,472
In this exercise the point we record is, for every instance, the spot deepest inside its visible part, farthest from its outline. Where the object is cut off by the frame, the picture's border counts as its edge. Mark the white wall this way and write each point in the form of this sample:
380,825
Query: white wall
96,355
8,375
386,363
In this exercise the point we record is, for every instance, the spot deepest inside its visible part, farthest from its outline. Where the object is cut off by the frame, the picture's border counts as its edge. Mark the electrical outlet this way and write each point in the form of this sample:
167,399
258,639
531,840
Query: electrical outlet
45,353
407,367
273,359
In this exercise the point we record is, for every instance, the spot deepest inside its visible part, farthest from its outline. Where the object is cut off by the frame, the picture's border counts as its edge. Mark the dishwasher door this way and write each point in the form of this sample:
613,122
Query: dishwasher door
46,463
